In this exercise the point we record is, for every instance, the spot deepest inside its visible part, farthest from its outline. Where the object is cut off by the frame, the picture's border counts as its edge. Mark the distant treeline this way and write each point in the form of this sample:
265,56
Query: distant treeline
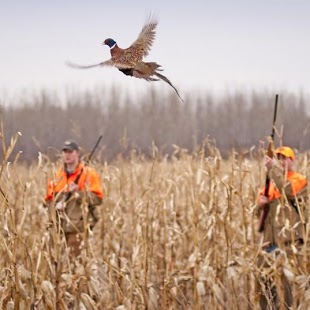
234,120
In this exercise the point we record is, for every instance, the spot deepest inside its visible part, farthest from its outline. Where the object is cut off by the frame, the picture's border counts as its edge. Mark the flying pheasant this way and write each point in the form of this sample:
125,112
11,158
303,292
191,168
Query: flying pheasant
129,60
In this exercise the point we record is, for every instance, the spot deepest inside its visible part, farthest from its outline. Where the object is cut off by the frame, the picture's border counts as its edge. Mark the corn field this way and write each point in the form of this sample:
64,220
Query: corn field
175,232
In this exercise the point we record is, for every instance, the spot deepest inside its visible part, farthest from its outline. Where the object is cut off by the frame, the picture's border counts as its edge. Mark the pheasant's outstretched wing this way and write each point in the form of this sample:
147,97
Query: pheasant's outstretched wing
101,64
141,47
109,62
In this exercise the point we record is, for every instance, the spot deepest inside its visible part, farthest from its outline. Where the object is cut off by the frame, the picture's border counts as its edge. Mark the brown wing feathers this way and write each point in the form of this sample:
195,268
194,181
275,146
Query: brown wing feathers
146,38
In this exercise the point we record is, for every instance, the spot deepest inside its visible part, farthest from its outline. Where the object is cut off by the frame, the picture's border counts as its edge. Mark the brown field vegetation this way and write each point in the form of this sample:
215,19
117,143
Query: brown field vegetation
176,232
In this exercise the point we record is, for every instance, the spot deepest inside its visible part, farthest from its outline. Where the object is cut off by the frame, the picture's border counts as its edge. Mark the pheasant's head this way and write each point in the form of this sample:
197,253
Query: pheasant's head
110,42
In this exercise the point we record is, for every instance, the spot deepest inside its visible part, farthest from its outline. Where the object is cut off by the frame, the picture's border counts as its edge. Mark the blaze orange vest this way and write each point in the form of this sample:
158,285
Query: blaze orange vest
88,179
297,181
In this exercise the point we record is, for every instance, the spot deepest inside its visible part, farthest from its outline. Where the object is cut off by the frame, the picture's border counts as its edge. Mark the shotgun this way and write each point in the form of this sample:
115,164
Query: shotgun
264,212
76,181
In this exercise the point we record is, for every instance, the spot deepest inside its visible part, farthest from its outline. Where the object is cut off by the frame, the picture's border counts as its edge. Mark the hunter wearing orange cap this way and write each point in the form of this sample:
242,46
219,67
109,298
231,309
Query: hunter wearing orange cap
284,225
74,187
283,171
285,151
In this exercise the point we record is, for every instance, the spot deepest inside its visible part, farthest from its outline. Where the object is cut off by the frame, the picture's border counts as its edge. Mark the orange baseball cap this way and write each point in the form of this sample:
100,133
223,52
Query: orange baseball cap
285,151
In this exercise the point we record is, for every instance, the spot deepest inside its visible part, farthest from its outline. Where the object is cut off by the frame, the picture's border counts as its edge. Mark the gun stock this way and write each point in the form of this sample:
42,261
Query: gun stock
264,212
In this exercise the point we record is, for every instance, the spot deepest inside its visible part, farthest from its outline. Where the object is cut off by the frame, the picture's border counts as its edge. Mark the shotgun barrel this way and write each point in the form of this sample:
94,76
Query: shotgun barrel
265,210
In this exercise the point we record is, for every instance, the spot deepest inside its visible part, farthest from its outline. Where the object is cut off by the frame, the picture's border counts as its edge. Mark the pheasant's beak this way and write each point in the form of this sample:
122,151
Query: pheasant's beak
103,43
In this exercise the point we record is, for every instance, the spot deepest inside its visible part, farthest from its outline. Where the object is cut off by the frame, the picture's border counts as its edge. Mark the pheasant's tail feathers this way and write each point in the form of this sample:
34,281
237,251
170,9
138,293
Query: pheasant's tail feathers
162,77
150,79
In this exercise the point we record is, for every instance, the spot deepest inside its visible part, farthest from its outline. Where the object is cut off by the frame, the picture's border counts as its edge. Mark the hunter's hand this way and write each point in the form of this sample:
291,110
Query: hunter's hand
262,201
73,187
269,162
60,205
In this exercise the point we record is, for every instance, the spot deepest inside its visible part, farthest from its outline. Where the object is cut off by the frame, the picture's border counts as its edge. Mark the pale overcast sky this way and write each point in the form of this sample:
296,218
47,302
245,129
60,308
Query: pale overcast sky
201,44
